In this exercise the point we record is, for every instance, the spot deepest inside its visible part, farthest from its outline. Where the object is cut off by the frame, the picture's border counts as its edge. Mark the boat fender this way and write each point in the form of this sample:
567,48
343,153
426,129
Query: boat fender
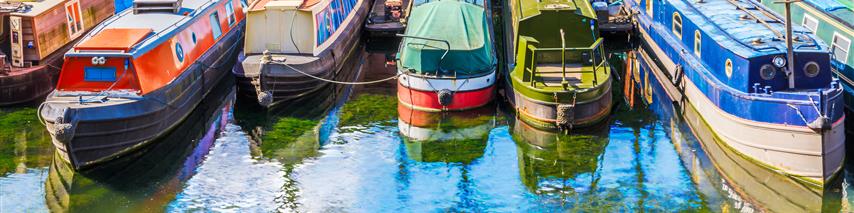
265,98
445,97
63,128
565,115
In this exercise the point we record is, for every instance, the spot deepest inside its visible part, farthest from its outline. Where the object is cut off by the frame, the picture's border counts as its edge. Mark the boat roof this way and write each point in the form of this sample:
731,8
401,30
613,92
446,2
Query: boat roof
741,31
114,39
841,10
283,4
35,7
161,25
530,8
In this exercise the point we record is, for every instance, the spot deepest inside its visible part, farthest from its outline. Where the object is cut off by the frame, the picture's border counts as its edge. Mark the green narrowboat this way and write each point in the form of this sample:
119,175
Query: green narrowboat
833,22
560,77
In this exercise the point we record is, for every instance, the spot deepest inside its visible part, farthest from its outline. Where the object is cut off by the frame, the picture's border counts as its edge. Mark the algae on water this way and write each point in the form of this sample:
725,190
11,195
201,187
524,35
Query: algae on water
367,109
24,143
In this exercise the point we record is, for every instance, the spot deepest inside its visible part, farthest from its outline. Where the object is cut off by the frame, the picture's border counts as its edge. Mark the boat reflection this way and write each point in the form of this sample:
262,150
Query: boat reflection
556,164
743,185
149,179
294,130
450,137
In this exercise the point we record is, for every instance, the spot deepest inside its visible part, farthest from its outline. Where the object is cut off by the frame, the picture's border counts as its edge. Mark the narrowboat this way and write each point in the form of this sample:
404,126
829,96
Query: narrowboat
451,137
293,47
149,177
33,37
732,68
832,21
136,76
387,18
446,62
560,78
730,175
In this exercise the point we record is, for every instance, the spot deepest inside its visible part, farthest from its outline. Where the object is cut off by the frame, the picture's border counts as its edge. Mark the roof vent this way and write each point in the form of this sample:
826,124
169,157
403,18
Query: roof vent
758,41
147,6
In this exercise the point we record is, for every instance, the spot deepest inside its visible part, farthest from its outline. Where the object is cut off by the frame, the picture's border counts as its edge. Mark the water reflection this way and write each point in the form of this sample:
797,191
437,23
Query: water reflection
557,164
25,151
730,181
146,180
450,137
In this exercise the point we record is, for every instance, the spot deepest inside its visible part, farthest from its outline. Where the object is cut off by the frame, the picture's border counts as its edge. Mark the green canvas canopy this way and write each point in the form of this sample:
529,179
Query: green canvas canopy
461,24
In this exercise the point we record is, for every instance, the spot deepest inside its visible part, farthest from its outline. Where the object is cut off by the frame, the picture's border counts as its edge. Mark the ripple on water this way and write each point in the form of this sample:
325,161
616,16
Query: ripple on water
231,180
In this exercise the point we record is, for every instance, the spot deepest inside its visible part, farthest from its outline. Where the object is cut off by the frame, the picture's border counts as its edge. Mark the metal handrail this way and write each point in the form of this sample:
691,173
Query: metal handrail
448,44
592,49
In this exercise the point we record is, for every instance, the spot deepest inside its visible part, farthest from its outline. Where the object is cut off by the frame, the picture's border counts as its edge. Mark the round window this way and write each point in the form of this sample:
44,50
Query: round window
179,52
767,72
728,68
812,69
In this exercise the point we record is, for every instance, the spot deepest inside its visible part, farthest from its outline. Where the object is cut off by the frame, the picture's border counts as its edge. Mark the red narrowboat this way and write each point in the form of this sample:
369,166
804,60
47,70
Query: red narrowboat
446,62
38,33
137,75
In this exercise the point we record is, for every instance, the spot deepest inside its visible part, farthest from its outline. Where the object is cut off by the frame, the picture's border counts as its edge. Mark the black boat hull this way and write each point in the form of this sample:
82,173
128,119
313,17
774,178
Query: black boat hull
92,133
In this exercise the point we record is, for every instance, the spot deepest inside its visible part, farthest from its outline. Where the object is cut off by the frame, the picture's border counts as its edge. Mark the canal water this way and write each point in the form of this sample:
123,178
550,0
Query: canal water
354,149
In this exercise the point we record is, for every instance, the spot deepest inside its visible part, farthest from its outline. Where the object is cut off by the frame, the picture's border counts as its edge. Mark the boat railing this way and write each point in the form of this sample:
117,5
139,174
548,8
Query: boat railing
593,55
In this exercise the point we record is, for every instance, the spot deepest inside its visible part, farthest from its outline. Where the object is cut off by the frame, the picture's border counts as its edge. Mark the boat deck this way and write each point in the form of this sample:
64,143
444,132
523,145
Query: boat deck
743,26
551,75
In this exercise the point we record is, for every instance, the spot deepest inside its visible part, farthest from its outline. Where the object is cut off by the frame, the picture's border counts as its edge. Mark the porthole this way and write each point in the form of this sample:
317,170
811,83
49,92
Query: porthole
767,72
179,52
728,68
194,37
812,69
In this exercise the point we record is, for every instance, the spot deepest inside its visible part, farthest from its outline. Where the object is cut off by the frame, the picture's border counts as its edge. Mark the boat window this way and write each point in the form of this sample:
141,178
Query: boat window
74,18
649,7
229,12
677,24
810,23
179,52
698,39
194,37
332,17
728,68
841,47
215,25
244,4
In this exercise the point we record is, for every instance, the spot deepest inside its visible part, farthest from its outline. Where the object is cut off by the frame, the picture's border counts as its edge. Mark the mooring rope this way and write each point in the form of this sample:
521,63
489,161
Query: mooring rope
334,81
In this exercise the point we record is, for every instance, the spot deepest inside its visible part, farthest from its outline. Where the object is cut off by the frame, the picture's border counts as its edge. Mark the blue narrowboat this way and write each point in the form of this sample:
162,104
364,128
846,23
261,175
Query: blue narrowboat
727,59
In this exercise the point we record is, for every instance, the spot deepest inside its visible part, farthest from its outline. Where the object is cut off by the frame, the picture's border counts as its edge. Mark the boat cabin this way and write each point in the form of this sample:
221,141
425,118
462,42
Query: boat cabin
148,46
558,44
742,43
295,26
